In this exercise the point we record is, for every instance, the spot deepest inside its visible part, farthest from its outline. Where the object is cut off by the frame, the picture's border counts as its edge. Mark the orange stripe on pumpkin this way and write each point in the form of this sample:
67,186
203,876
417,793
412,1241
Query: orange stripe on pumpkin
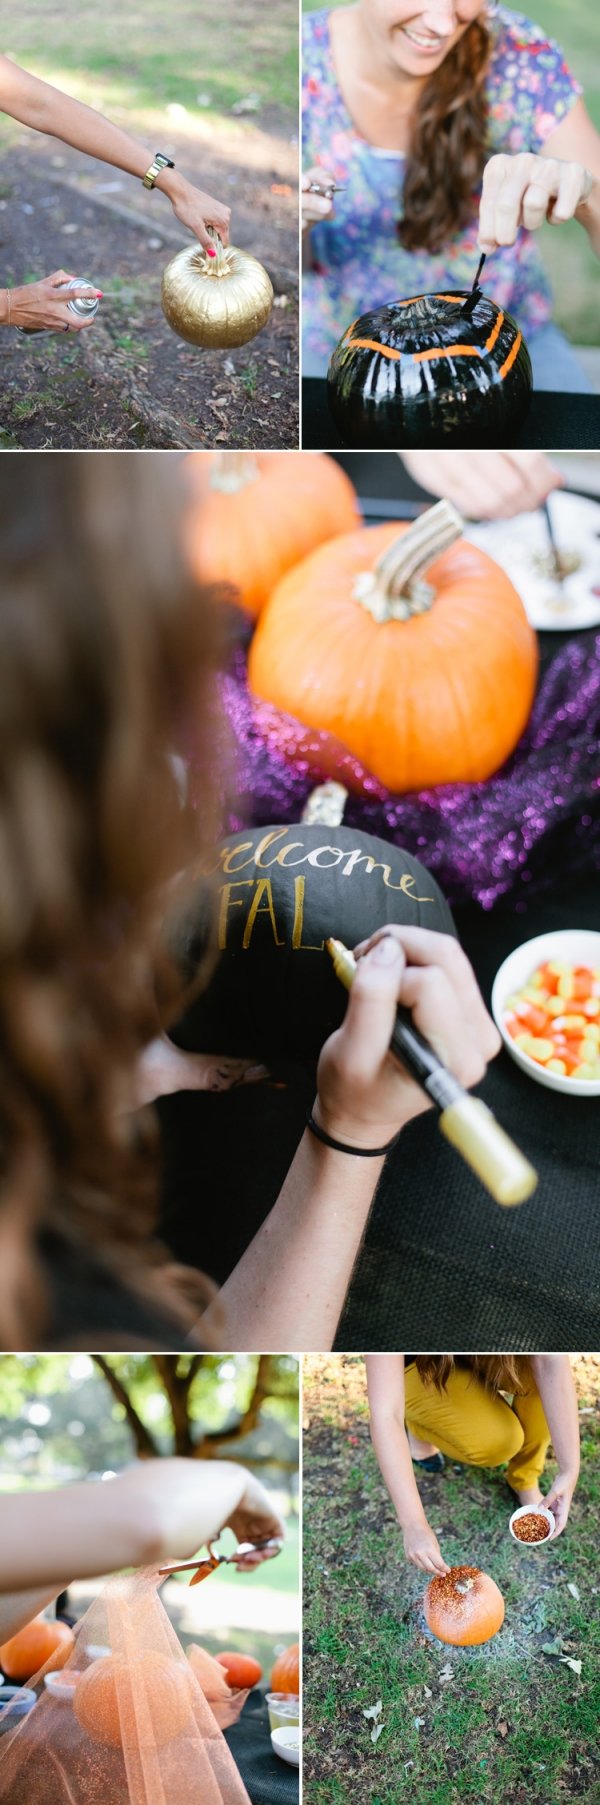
455,351
370,344
495,333
509,361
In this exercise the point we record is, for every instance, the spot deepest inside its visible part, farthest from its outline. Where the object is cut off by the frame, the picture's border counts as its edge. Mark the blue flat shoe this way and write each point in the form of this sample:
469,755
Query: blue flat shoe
434,1463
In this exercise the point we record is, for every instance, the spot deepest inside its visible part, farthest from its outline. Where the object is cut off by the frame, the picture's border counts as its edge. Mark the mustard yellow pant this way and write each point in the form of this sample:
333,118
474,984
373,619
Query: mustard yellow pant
471,1424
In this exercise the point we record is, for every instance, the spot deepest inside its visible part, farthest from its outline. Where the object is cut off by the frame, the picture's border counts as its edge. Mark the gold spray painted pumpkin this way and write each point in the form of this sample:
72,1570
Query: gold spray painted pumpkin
217,301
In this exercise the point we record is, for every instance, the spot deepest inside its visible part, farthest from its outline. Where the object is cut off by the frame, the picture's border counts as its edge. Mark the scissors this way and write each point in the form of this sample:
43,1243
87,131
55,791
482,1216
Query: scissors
202,1569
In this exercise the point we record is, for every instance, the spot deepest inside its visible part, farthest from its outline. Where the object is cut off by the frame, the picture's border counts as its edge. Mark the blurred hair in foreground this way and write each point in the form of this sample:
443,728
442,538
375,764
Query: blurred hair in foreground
107,649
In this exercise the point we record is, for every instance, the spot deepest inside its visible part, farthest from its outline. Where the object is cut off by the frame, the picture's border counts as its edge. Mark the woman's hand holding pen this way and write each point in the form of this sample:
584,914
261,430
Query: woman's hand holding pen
364,1096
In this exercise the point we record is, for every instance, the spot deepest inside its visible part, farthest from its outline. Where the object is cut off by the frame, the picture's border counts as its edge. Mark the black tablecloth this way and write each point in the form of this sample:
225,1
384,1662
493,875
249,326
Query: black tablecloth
555,422
268,1779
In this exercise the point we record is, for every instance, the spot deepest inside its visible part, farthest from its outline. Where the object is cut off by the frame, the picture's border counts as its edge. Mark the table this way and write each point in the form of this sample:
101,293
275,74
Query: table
554,422
268,1779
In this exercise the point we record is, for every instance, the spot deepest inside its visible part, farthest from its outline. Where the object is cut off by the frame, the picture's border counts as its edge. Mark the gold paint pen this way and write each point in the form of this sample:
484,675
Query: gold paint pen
465,1121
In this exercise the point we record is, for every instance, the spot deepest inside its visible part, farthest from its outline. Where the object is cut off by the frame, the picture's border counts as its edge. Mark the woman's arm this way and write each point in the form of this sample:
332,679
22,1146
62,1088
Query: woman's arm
160,1511
560,184
36,103
556,1386
385,1384
488,485
288,1289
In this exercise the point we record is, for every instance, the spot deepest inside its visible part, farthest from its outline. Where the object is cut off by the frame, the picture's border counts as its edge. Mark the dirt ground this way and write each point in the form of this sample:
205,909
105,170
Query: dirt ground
510,1722
129,381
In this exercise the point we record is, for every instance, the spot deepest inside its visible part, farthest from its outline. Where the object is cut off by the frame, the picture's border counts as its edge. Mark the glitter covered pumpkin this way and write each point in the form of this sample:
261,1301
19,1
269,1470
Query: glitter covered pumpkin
255,514
278,892
425,683
464,1606
219,301
115,1693
449,369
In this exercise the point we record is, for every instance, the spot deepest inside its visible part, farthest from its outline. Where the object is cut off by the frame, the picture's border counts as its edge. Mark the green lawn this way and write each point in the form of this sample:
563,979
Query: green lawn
504,1724
142,58
571,263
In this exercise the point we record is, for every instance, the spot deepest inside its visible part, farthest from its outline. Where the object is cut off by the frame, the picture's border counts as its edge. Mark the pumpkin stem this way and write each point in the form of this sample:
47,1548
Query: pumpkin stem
393,591
219,265
232,470
325,805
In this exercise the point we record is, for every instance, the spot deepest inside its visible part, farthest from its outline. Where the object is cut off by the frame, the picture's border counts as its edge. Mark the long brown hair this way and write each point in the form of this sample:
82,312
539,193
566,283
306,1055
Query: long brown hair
106,653
448,147
499,1372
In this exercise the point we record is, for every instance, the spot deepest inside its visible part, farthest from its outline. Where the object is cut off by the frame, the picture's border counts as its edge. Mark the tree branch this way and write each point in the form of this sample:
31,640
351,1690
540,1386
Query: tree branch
146,1447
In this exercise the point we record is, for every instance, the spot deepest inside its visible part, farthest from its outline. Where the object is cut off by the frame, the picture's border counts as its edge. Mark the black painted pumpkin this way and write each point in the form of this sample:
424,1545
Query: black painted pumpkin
434,370
279,892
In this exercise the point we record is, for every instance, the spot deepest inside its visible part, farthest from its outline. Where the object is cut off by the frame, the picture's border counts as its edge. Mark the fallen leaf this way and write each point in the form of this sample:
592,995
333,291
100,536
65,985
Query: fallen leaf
428,1692
445,1673
567,1661
502,1728
574,1590
374,1710
418,1722
553,1648
376,1731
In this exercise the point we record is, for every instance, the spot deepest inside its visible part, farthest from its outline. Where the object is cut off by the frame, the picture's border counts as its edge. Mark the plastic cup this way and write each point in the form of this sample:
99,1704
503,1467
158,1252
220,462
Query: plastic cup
283,1709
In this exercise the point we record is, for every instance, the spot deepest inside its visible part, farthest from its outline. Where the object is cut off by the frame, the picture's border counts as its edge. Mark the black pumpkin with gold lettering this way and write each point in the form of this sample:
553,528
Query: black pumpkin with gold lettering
277,894
435,370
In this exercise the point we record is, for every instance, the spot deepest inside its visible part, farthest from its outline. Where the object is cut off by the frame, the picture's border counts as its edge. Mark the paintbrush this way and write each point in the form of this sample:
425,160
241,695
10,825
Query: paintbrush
559,573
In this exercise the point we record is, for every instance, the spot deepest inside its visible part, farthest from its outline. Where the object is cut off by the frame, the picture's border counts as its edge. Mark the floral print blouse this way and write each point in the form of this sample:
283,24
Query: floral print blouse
356,260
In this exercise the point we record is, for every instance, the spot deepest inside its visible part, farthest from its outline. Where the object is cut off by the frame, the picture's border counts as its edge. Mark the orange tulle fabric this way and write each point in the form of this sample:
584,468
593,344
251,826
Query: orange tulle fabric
224,1703
139,1728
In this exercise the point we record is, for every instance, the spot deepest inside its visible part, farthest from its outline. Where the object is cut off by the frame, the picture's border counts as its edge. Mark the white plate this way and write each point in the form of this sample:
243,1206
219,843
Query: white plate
541,1510
517,543
577,946
286,1743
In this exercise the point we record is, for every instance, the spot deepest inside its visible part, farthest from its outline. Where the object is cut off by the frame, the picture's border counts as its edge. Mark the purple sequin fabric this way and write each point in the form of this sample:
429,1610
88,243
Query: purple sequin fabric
537,819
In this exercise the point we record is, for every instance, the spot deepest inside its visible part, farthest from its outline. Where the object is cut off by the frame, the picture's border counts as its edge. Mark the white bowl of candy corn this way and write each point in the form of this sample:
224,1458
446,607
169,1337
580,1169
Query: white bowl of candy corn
546,1004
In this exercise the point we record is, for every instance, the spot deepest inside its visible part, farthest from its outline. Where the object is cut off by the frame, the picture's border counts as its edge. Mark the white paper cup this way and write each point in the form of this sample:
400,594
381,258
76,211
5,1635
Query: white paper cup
537,1510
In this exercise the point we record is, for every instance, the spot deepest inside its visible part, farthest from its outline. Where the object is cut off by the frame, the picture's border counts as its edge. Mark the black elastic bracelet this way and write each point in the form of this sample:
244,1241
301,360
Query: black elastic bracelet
341,1147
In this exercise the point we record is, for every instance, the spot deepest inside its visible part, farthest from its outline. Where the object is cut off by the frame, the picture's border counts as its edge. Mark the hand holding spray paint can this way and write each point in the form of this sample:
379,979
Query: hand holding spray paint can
84,303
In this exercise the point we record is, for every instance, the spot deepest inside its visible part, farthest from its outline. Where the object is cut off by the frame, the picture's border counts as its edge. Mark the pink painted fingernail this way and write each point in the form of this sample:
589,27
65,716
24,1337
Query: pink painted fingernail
100,294
210,252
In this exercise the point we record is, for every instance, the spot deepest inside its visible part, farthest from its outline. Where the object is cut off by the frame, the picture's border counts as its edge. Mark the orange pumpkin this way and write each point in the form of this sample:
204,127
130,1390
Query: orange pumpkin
464,1606
241,1670
33,1646
108,1697
255,514
424,683
286,1672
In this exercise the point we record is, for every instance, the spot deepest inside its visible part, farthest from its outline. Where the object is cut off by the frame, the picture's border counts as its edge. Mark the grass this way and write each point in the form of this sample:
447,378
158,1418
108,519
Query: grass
138,59
504,1724
569,258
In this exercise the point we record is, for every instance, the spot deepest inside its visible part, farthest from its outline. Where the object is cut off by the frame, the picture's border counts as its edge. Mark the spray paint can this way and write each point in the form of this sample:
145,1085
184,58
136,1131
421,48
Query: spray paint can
84,303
